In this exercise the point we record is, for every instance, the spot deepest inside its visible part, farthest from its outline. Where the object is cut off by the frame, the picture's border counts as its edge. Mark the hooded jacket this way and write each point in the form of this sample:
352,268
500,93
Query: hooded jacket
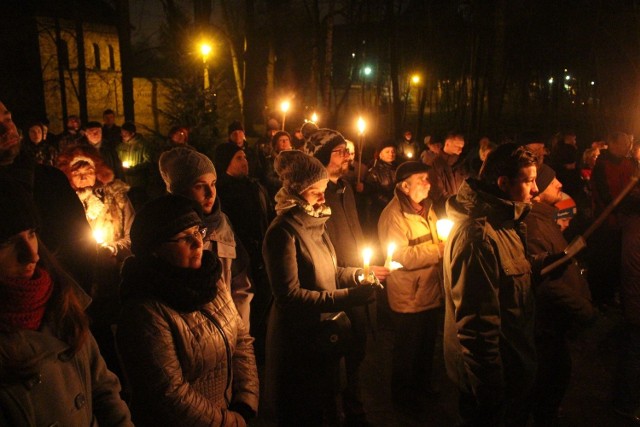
489,318
418,285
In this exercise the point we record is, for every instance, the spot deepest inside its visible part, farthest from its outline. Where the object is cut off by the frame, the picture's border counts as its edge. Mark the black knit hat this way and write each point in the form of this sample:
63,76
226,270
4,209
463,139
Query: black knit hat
386,143
223,156
234,126
325,140
92,125
129,127
544,177
160,219
17,211
406,169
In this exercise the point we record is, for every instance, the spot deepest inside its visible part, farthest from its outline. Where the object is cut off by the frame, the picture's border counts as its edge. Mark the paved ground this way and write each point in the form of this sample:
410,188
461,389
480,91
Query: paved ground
587,402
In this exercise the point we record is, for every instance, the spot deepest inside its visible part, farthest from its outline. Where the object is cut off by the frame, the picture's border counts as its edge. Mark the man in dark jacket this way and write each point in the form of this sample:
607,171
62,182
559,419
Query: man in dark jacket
488,333
93,137
65,229
449,171
343,228
558,302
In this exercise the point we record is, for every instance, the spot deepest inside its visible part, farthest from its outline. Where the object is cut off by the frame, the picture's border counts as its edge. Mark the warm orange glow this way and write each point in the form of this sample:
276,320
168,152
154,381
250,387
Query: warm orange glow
361,125
284,106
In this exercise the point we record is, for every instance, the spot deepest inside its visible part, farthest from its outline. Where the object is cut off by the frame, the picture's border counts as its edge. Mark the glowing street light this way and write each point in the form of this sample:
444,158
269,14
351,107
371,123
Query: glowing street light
284,107
367,70
205,50
415,79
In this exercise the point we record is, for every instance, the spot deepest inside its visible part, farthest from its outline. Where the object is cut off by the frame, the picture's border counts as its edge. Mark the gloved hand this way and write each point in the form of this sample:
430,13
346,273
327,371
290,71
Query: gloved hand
363,294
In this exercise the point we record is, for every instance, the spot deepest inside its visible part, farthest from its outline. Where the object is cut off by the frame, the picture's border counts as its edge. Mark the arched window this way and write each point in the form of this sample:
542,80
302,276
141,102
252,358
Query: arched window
63,54
96,55
112,59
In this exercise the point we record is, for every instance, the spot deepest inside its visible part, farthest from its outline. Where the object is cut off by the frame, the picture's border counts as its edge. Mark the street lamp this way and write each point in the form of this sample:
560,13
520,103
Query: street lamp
284,107
205,50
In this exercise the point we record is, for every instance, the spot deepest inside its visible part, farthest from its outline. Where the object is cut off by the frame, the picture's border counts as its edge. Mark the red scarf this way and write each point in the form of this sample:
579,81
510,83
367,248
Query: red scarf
23,302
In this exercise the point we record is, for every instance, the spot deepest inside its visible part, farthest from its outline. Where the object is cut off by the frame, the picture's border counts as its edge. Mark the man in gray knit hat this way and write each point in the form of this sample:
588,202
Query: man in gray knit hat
191,174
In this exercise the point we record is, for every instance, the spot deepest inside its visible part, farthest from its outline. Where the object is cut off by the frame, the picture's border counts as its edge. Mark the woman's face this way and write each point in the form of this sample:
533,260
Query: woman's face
314,195
35,134
203,191
184,249
83,177
19,256
283,143
388,154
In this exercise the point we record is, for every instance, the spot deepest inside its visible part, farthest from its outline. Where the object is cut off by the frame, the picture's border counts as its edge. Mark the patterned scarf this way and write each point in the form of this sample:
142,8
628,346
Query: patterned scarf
286,200
23,302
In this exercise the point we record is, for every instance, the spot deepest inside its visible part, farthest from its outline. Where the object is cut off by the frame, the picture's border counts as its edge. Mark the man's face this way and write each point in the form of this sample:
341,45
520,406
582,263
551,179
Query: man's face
126,135
282,144
552,194
417,186
388,154
338,162
9,137
239,166
35,134
109,119
237,136
94,135
454,145
408,136
523,187
73,124
436,147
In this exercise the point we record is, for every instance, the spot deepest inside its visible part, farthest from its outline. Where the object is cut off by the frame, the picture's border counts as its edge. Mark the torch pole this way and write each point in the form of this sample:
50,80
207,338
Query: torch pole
360,144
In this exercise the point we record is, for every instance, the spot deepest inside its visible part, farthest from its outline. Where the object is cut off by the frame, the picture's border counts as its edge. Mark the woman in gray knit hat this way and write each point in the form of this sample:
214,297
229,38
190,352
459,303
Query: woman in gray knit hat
301,379
191,174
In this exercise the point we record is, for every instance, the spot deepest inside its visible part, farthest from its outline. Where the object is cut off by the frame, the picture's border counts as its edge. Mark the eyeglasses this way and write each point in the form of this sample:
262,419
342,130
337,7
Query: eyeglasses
342,151
197,235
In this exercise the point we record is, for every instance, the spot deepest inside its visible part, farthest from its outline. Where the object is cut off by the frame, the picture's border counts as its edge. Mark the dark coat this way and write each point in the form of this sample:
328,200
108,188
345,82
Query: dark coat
488,332
559,301
185,367
65,391
343,227
306,283
380,182
447,175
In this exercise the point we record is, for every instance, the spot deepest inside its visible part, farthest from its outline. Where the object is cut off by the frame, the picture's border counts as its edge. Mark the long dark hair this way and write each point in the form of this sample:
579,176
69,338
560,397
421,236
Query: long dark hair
64,313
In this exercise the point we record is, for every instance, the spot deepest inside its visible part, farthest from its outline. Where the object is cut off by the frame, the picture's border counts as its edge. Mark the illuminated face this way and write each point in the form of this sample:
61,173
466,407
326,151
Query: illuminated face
552,194
183,250
283,143
563,223
339,161
180,137
408,136
237,136
523,188
203,191
73,123
94,135
352,151
314,195
126,135
388,154
9,137
18,256
83,177
417,186
238,166
35,134
454,145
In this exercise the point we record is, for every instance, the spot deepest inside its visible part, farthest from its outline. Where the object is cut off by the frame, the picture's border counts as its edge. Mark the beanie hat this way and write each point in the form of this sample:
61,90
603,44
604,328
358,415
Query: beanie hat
544,178
181,166
234,126
566,207
17,211
324,141
272,124
298,171
386,143
224,154
160,219
308,129
129,127
406,169
92,125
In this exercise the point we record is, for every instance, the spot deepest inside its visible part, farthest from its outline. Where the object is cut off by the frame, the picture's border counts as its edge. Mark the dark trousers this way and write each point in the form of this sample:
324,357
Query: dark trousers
626,391
413,349
552,378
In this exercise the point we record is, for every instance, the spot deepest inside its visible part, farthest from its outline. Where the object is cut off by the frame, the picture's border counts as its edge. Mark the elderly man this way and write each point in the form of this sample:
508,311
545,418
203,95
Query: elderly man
414,291
65,229
488,333
449,171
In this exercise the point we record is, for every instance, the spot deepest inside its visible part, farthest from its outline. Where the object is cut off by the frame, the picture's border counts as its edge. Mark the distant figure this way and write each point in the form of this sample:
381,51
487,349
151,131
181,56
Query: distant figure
280,141
407,148
434,147
237,136
110,131
35,145
93,138
72,133
380,182
449,171
136,162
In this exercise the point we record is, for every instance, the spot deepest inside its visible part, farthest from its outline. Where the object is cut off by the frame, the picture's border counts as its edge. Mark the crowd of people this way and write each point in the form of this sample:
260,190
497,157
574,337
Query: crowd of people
150,284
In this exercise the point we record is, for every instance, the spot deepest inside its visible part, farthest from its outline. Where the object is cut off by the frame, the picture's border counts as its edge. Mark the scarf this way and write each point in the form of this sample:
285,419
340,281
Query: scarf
286,200
183,289
24,301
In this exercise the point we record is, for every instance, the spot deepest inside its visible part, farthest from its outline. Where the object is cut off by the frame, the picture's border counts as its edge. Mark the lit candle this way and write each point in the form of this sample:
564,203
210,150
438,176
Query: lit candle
98,235
126,164
366,256
314,118
409,154
390,249
443,228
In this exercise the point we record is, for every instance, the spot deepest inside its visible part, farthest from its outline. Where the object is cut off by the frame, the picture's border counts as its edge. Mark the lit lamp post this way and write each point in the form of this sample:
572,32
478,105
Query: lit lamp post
205,50
366,72
415,79
361,127
284,107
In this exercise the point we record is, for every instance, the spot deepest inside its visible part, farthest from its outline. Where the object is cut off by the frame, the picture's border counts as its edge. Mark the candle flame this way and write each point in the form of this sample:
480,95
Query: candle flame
126,164
391,247
366,256
361,125
98,235
443,228
285,106
314,118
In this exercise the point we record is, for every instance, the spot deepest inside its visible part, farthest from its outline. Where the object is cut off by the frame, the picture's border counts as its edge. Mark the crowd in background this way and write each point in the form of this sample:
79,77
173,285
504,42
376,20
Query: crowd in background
200,270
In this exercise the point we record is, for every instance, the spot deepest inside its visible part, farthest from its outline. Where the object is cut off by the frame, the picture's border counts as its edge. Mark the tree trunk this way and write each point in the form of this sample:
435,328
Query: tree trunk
61,79
497,77
233,51
393,68
124,38
82,72
328,64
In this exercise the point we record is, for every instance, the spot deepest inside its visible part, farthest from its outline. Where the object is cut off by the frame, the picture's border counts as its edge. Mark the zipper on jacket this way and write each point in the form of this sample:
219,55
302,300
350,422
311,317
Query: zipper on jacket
228,349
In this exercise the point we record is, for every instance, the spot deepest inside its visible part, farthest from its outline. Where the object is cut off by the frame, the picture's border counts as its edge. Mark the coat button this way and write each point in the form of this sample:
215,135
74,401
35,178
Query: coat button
33,381
80,400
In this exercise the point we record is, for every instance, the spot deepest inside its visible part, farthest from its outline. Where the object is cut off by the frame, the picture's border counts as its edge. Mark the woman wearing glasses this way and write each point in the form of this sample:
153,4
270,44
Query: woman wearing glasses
186,352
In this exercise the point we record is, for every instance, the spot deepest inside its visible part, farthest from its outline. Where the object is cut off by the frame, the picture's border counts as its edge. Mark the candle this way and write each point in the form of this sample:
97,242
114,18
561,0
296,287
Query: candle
390,249
98,235
409,154
443,228
126,164
366,256
314,118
